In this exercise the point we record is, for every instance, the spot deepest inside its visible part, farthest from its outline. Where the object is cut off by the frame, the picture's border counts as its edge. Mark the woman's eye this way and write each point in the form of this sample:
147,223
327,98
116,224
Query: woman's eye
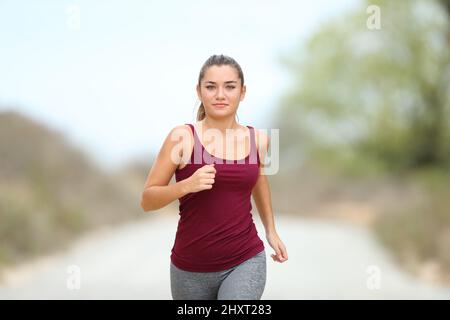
229,87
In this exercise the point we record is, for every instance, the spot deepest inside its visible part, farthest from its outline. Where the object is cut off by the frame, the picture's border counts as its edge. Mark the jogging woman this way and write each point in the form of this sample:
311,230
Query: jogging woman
217,253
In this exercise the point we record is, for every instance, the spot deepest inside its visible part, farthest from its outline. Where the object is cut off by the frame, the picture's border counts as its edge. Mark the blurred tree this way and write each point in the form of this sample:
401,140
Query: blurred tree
446,4
373,98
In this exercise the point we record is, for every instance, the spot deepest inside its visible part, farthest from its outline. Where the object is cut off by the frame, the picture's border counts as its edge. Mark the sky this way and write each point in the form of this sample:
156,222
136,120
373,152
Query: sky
116,76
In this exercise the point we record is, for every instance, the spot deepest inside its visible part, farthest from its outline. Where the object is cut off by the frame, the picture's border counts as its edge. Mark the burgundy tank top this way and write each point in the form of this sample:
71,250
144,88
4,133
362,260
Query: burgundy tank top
216,229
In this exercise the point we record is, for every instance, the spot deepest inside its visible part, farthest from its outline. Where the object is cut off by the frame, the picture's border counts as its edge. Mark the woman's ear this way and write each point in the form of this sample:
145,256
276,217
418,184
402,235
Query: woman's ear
244,89
198,92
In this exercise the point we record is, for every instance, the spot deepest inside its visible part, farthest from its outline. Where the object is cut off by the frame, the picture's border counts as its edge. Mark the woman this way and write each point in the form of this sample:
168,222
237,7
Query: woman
217,253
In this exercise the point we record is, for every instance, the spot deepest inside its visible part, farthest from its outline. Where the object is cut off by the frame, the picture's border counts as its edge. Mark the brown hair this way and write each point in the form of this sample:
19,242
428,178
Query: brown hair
217,60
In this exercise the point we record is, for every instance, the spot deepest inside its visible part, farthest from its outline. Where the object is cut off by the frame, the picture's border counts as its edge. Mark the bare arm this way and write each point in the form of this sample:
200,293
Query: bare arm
157,197
261,195
261,190
157,191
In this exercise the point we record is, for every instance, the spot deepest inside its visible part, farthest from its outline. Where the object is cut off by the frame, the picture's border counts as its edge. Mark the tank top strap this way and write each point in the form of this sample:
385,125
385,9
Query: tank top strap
254,155
197,151
192,129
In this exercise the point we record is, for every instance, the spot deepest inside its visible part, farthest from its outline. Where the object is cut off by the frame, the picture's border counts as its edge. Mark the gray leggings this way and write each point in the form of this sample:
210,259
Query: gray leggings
245,281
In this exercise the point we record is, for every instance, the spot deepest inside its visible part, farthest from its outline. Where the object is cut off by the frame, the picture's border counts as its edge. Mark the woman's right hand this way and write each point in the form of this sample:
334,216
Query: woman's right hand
202,179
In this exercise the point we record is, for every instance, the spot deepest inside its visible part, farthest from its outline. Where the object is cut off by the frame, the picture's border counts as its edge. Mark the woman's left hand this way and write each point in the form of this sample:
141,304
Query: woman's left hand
280,250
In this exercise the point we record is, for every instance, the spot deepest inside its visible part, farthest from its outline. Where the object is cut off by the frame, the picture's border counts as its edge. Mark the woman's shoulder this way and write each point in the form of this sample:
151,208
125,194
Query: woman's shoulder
180,129
261,138
181,135
183,126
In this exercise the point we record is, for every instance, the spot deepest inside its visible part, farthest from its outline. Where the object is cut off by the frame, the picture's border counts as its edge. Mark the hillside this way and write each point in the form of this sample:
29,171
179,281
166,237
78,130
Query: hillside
50,192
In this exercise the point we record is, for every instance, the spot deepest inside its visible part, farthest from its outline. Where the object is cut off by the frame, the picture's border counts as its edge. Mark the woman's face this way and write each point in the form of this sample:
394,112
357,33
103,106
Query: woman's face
221,85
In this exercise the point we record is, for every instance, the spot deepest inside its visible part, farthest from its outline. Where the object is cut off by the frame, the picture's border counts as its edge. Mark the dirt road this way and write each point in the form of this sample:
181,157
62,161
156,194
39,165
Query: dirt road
327,260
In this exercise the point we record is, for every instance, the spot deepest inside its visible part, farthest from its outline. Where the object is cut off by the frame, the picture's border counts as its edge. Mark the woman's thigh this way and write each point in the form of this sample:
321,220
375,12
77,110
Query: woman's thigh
186,285
247,281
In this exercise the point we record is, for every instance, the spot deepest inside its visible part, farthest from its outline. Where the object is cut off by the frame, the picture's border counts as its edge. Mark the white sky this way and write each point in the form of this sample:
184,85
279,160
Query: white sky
116,85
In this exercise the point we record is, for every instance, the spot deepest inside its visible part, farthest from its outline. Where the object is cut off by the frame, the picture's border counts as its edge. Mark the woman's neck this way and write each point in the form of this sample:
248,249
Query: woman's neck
222,125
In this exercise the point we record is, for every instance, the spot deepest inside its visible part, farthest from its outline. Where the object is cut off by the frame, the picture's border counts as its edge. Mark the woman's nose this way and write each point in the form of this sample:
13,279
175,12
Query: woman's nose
220,92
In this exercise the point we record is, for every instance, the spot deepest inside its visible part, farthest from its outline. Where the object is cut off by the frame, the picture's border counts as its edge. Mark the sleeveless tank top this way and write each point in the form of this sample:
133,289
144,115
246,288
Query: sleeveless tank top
215,229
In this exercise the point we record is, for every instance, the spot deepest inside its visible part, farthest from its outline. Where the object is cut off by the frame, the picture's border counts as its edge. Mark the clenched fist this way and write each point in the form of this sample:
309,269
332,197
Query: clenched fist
202,179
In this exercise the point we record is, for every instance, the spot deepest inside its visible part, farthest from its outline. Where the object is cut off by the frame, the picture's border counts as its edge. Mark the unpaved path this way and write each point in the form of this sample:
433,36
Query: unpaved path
327,260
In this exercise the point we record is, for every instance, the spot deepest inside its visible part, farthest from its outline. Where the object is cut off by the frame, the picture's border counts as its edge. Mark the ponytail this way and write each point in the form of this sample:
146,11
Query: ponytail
201,112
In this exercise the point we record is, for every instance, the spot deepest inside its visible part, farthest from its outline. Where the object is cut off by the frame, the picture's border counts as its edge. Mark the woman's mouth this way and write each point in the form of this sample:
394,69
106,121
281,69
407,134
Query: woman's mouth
220,105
